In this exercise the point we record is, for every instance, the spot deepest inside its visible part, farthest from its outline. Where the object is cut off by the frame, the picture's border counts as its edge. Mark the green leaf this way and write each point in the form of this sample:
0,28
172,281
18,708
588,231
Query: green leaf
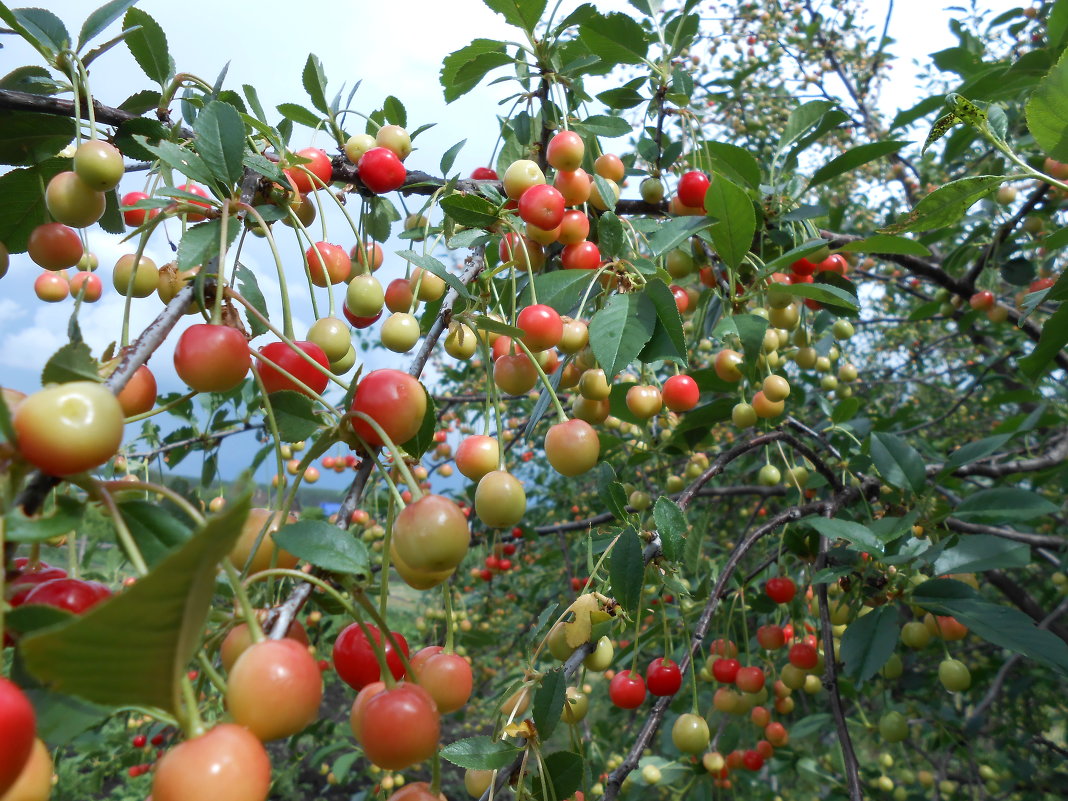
1052,340
221,141
603,125
732,234
869,641
325,546
249,288
99,20
148,46
548,703
523,14
610,236
809,725
845,410
966,454
32,79
27,138
22,205
45,27
854,158
1001,504
885,243
470,210
802,119
431,264
133,649
626,568
564,777
615,38
977,552
155,530
751,329
449,158
1003,626
561,289
63,519
611,492
201,243
61,718
834,529
424,437
625,96
946,205
315,83
671,523
668,340
480,753
674,232
834,298
783,262
72,362
265,167
730,160
898,462
299,114
1047,111
178,158
295,414
462,70
619,331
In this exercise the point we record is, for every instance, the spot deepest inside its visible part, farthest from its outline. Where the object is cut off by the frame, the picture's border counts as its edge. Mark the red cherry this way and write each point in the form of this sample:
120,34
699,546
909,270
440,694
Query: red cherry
725,670
74,595
982,301
18,729
803,267
692,188
136,217
360,322
627,690
771,637
399,727
280,355
394,400
483,174
193,189
752,760
542,205
354,657
380,170
23,584
681,393
803,656
780,589
212,358
319,166
581,256
541,324
663,677
749,679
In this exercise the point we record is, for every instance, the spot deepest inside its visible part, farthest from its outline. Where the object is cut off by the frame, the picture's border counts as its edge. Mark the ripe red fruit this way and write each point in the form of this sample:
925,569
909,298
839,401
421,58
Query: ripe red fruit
54,246
483,174
780,589
681,393
447,677
835,263
193,189
279,355
328,263
982,301
88,285
720,647
771,637
431,535
319,166
541,324
394,400
136,217
381,171
542,205
627,690
581,256
18,728
749,679
692,188
139,394
23,584
663,677
74,595
399,727
803,267
803,656
565,151
752,760
227,763
725,670
212,358
285,672
354,657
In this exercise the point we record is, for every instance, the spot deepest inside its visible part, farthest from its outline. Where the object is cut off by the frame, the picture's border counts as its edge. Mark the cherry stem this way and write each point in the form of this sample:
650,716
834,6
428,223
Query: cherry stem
283,288
383,598
561,415
188,714
450,625
380,621
272,424
133,553
214,676
176,498
220,275
308,578
398,457
161,409
255,630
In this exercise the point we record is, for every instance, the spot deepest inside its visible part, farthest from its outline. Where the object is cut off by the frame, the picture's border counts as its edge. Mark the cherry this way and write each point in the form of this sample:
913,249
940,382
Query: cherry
644,401
982,301
515,374
692,188
542,327
752,760
399,295
575,186
583,255
88,286
663,677
73,202
690,733
572,447
565,151
364,296
394,400
51,287
727,364
54,246
399,727
771,637
139,394
238,639
268,552
525,252
318,165
803,656
74,595
227,763
212,358
193,189
681,393
99,165
446,676
280,355
354,658
23,584
610,166
627,690
136,217
285,672
780,589
574,228
431,535
477,455
520,176
803,267
381,171
499,499
69,428
543,206
328,264
725,670
483,174
17,731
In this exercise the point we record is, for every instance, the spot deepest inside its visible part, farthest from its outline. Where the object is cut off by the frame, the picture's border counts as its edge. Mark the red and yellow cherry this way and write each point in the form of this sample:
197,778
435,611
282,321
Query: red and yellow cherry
604,203
139,394
332,335
73,595
771,637
395,138
278,356
663,677
18,726
461,342
446,676
477,455
136,217
575,186
727,364
426,285
267,553
212,358
318,165
583,255
399,727
591,411
69,428
417,579
354,658
364,296
982,301
399,296
365,694
51,287
520,176
54,246
394,400
227,763
565,151
381,171
285,672
542,236
400,332
515,374
594,385
541,325
542,205
776,734
193,189
99,165
431,534
328,264
681,393
135,276
574,336
500,500
752,760
644,401
416,791
690,733
692,188
610,166
73,202
767,408
574,227
627,690
572,447
523,251
238,639
34,781
87,286
682,298
357,145
948,628
366,259
749,679
803,656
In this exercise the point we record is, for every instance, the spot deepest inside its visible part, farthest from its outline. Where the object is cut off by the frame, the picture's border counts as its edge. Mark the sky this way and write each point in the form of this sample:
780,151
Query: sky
393,54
